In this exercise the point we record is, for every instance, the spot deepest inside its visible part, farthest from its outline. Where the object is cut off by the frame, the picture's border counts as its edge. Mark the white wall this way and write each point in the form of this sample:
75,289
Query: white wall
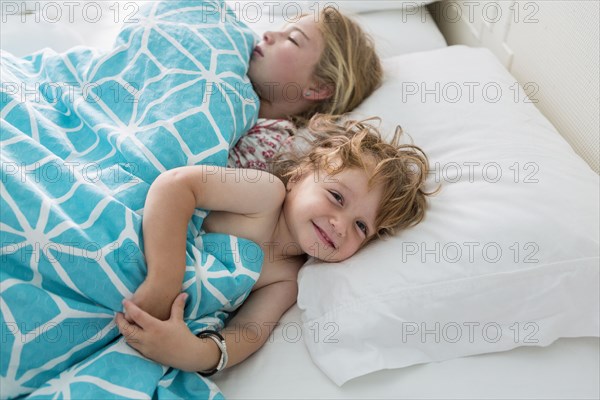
551,47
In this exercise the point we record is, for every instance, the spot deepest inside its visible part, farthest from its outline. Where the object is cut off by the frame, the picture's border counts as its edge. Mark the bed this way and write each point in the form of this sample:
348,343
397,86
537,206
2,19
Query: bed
328,346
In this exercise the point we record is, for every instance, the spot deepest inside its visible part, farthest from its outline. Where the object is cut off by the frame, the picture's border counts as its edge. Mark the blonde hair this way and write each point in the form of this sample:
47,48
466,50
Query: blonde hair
401,169
349,65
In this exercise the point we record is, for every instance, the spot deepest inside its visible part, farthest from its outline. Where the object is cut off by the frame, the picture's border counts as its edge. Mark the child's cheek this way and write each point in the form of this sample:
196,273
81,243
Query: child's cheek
290,61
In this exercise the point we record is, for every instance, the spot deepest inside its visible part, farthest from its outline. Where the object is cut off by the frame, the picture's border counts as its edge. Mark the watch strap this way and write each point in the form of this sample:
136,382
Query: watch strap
220,341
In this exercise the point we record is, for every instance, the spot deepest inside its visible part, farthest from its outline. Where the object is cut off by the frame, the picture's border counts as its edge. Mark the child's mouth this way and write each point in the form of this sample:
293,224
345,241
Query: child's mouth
323,236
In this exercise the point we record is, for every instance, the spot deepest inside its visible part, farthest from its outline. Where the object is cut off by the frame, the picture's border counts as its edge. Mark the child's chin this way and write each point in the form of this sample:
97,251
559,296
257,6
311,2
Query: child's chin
324,254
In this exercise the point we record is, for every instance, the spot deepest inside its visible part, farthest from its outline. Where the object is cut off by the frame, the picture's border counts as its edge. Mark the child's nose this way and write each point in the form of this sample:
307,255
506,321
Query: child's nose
339,226
269,37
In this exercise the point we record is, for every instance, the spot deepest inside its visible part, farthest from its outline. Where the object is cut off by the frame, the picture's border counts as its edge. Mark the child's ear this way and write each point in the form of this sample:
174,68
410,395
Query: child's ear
319,91
292,181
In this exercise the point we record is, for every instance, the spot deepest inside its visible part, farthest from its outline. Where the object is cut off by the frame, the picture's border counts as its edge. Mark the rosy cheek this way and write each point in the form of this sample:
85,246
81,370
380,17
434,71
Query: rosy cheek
289,60
290,54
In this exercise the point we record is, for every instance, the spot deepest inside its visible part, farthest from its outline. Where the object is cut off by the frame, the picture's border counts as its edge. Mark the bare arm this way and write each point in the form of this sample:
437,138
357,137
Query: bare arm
171,342
169,206
250,328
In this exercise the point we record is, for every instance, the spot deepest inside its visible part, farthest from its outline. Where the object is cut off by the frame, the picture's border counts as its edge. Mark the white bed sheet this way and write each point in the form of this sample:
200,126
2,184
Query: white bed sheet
568,369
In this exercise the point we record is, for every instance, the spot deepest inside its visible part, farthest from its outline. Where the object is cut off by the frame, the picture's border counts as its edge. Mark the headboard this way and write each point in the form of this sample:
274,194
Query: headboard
550,47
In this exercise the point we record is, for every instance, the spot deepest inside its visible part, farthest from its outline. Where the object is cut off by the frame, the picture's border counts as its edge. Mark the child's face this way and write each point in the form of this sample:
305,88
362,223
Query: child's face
331,216
283,63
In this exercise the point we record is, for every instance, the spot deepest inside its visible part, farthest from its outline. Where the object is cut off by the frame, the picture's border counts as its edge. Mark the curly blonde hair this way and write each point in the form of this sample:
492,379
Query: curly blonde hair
349,65
401,169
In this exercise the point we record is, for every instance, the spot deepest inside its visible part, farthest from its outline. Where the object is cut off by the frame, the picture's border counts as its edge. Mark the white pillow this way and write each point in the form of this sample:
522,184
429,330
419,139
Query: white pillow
362,6
508,254
290,8
395,31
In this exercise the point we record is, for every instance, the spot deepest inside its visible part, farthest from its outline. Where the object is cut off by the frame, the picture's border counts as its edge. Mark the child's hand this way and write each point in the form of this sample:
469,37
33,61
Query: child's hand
168,342
154,299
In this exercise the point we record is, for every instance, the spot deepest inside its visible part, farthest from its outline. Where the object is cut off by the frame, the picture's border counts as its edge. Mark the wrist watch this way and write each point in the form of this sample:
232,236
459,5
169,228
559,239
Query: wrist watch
220,341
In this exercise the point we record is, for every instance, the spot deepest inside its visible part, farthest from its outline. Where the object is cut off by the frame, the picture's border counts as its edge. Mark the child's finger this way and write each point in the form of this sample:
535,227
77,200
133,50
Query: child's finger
178,307
137,315
127,317
129,331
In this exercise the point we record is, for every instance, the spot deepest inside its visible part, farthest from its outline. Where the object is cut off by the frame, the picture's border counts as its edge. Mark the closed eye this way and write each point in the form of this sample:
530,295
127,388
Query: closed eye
291,39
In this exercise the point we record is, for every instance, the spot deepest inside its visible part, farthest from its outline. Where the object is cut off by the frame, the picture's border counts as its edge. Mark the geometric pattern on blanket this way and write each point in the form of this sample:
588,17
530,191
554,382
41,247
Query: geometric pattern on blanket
83,136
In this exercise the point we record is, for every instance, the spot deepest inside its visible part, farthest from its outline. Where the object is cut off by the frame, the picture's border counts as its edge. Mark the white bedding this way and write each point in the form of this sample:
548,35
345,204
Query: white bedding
416,32
569,368
351,295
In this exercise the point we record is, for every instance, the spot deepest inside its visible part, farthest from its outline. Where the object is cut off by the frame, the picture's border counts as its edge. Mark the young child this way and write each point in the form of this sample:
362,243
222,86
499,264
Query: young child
349,188
315,65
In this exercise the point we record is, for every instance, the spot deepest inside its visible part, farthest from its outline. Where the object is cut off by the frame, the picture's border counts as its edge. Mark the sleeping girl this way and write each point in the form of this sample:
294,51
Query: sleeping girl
328,202
324,65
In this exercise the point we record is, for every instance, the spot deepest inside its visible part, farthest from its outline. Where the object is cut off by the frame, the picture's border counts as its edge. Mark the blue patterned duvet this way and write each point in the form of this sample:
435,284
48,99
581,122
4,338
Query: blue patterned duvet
83,136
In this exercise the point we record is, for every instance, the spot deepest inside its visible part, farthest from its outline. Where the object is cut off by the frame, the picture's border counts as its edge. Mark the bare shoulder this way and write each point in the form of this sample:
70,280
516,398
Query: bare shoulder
255,206
240,191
